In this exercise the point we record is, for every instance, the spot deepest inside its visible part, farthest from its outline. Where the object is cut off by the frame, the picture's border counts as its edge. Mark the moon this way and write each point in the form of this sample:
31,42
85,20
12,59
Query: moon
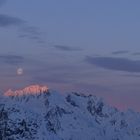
19,71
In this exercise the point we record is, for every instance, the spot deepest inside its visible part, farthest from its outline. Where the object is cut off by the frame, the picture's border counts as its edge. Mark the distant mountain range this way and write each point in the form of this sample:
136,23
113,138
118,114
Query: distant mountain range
37,113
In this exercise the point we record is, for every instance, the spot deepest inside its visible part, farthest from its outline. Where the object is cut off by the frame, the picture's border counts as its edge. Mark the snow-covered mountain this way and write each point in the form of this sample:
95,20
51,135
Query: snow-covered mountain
36,113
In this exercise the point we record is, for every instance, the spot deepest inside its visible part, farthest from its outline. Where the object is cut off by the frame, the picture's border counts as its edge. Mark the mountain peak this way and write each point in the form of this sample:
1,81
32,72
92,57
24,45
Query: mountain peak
29,90
68,117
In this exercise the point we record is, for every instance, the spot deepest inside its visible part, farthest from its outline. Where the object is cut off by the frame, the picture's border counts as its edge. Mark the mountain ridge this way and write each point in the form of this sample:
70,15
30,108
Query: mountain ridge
50,115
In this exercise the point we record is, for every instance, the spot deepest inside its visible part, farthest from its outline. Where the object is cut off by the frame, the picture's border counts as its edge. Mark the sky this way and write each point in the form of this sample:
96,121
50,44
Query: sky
86,46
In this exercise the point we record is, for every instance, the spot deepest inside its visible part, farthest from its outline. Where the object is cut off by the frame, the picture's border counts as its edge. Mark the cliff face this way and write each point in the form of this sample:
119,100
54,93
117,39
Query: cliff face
36,113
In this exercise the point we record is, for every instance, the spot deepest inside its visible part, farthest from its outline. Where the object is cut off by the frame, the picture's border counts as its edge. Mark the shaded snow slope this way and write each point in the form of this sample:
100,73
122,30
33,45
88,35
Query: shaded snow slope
48,115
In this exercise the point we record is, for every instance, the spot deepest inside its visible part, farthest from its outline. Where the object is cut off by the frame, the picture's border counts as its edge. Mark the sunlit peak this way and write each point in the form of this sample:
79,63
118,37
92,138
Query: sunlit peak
30,90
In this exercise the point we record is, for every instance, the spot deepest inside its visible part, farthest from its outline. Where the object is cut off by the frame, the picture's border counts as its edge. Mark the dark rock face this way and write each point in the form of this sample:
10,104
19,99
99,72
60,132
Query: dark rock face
72,102
16,128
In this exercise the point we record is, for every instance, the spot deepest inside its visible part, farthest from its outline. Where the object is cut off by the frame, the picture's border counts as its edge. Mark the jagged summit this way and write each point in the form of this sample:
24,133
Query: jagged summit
30,90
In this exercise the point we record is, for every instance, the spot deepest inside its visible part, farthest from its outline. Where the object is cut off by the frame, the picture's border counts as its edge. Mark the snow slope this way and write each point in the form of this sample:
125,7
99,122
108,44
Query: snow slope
36,113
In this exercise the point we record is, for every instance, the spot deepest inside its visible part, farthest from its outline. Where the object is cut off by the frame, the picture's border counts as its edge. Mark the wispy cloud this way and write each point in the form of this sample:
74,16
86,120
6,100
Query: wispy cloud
120,52
67,48
51,79
118,64
23,29
32,33
11,59
132,75
6,21
136,53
